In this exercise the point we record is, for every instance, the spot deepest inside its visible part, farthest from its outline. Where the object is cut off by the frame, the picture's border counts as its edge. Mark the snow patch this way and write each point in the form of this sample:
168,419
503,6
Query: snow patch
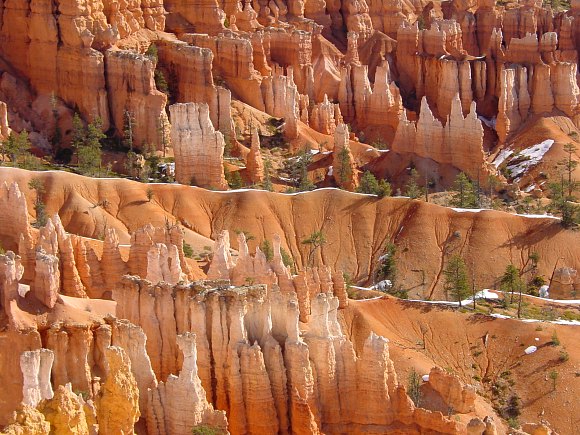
501,157
330,170
468,210
530,350
489,122
528,158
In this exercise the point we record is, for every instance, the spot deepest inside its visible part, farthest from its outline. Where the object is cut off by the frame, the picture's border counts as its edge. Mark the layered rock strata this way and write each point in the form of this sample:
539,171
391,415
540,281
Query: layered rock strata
198,148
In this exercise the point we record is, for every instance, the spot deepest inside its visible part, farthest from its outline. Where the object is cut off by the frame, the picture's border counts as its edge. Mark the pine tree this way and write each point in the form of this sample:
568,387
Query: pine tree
266,248
456,279
345,168
512,282
267,184
412,189
15,146
297,170
129,125
315,241
37,185
414,387
387,265
465,195
234,179
370,185
89,152
163,136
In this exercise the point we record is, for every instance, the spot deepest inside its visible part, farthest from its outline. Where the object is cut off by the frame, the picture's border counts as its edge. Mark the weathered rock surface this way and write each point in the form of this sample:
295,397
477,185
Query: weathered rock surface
198,148
179,404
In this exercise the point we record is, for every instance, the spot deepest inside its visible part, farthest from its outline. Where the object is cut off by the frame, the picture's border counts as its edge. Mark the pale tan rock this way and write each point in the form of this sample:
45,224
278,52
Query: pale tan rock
434,141
180,404
222,261
11,272
17,223
70,345
47,279
36,366
112,264
133,340
197,146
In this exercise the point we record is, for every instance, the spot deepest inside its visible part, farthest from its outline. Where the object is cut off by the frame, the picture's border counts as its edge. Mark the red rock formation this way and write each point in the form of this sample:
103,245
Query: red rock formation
455,395
198,148
254,162
344,168
131,76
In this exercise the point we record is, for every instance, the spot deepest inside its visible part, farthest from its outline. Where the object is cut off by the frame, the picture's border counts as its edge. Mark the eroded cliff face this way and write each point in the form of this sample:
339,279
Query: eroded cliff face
266,355
454,84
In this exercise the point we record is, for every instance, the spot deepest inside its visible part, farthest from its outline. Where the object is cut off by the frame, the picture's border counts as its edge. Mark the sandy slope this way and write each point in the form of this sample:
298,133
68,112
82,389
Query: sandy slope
357,227
456,341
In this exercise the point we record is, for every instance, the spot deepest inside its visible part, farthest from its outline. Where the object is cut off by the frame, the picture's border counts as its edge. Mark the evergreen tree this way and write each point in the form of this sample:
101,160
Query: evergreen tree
414,387
129,125
387,265
57,134
234,179
163,125
297,170
268,176
79,134
315,241
15,146
37,185
89,152
370,185
266,248
345,168
464,195
412,189
566,192
512,282
456,279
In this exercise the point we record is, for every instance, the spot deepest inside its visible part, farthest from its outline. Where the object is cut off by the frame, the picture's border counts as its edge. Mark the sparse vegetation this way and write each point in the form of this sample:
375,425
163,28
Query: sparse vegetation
370,185
315,241
204,429
16,146
37,185
465,195
87,143
266,248
414,387
297,170
187,250
412,188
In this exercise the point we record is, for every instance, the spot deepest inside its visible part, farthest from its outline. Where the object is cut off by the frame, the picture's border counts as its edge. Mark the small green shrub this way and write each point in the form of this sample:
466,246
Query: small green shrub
187,250
555,339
